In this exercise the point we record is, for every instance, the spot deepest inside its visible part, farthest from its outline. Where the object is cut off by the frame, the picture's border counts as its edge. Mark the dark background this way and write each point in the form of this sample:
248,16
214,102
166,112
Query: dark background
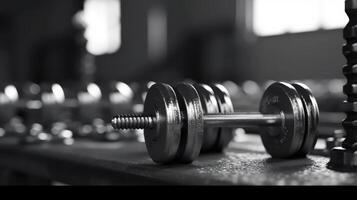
207,40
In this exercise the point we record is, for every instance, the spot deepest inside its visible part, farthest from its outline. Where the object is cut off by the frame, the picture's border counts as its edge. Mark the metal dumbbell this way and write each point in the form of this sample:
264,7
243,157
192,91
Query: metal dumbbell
174,120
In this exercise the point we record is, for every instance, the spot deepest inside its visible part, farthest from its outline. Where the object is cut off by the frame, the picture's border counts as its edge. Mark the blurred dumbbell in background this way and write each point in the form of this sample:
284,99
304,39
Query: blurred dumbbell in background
47,114
10,123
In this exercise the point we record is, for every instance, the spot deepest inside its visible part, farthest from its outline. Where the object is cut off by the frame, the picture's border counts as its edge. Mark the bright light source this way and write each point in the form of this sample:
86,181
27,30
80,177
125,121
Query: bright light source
333,14
125,90
103,31
11,92
303,15
58,93
274,17
123,94
67,133
266,21
94,90
92,95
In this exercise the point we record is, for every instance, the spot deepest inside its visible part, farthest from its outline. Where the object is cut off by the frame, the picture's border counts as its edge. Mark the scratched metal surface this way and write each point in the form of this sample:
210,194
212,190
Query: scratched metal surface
244,163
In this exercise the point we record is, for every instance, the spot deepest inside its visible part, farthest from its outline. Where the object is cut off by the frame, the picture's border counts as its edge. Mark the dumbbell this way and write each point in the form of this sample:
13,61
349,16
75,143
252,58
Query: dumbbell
174,120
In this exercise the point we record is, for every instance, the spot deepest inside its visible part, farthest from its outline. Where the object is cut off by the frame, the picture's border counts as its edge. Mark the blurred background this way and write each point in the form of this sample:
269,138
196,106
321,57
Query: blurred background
74,64
161,40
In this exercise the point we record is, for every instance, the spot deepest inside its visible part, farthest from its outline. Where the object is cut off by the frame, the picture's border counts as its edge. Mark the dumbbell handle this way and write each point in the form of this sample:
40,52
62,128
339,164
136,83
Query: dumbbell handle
212,120
242,119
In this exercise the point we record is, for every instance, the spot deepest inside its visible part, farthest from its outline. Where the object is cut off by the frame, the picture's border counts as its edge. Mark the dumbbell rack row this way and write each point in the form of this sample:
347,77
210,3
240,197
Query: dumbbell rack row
244,97
82,116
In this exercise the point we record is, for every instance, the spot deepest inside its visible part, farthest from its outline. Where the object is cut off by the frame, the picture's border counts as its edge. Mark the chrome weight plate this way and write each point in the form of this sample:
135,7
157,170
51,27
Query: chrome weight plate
285,140
225,105
311,118
209,106
192,128
162,142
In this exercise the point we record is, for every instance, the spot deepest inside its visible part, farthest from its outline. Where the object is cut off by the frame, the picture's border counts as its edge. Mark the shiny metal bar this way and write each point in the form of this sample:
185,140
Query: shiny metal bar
242,119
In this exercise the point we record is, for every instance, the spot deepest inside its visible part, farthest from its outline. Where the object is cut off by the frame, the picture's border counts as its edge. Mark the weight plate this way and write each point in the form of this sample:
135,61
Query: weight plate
225,105
210,106
311,118
192,129
162,142
285,140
